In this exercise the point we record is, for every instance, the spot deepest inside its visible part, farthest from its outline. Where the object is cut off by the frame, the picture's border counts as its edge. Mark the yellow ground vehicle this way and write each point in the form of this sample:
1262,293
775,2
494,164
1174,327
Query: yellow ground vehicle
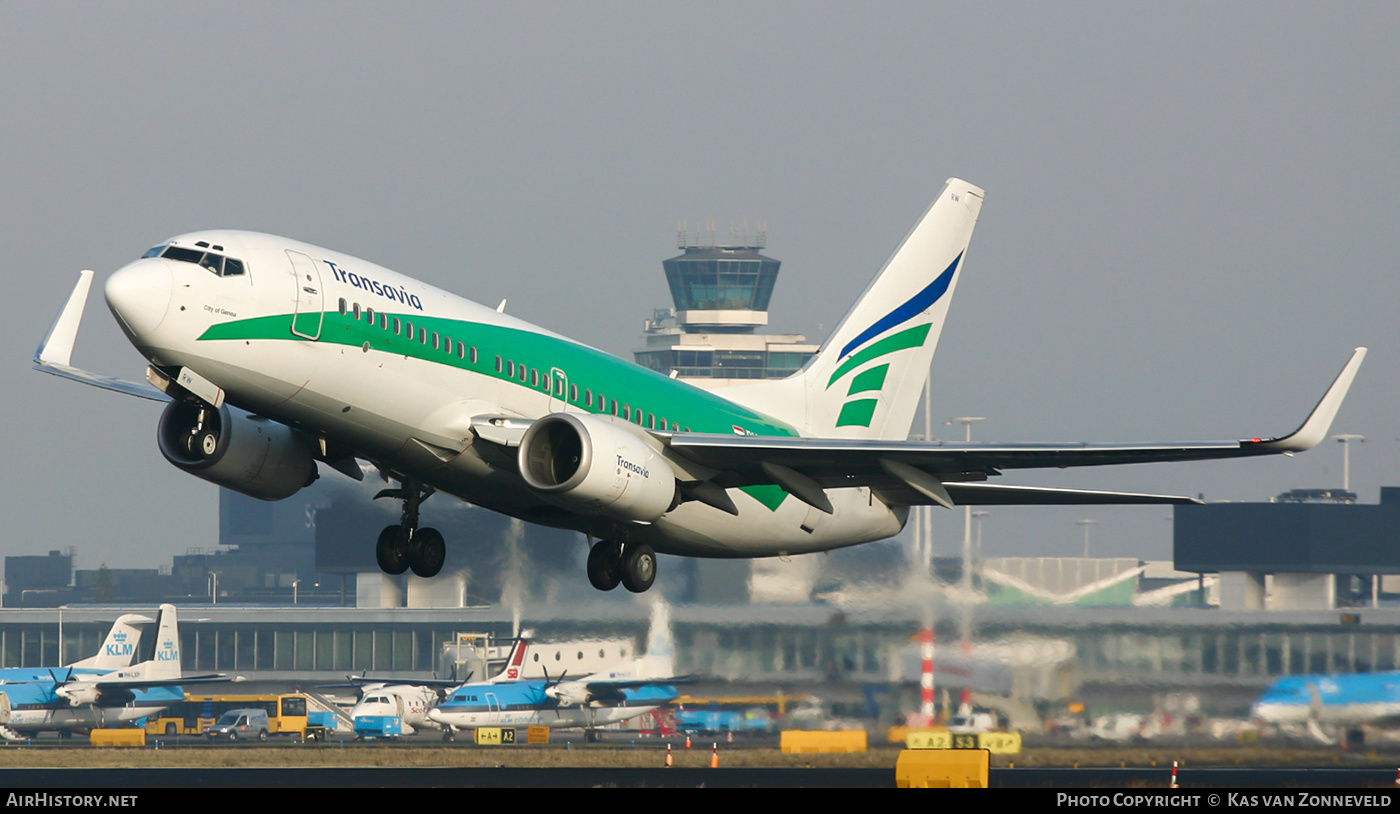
286,713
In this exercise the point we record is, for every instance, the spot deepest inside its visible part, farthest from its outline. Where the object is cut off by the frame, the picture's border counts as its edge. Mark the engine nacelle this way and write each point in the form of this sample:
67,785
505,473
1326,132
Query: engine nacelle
597,467
77,695
238,450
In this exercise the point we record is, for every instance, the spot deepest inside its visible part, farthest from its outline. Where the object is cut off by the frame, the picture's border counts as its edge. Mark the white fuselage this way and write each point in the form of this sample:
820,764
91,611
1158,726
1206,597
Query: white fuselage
278,341
409,703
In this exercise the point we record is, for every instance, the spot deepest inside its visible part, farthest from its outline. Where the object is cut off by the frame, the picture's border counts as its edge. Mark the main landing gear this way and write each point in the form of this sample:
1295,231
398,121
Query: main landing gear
406,546
611,562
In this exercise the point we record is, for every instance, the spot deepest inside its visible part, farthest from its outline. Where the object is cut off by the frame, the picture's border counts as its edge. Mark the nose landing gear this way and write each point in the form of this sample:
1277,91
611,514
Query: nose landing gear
611,562
406,546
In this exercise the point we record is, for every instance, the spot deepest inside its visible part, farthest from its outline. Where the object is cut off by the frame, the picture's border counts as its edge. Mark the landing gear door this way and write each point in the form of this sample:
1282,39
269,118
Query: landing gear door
310,302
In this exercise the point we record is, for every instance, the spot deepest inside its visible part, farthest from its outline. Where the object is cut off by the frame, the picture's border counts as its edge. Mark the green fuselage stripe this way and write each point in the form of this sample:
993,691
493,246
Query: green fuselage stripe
680,404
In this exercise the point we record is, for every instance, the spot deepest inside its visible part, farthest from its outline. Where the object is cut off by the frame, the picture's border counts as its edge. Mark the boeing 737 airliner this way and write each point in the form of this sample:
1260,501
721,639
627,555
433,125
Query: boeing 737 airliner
274,355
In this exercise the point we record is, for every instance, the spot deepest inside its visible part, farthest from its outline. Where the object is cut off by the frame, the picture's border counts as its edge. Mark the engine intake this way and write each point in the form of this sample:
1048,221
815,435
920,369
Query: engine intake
595,466
236,449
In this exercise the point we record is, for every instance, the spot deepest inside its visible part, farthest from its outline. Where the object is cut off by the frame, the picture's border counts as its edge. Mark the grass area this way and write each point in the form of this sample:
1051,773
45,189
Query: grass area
649,754
299,756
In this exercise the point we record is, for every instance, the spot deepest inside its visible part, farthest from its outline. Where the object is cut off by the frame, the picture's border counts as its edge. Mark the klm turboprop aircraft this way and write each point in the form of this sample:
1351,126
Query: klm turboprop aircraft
100,691
275,354
1329,707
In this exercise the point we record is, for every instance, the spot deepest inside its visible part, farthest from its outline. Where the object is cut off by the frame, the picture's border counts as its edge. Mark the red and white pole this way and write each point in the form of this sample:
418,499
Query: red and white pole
926,709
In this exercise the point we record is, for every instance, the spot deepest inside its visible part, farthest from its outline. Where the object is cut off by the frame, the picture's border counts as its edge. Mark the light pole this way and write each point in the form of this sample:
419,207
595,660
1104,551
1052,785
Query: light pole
1087,524
213,587
966,583
295,583
977,546
1345,440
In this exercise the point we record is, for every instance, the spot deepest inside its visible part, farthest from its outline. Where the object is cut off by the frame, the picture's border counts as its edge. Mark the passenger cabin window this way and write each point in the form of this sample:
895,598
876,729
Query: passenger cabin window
398,326
344,306
473,355
357,310
369,315
587,398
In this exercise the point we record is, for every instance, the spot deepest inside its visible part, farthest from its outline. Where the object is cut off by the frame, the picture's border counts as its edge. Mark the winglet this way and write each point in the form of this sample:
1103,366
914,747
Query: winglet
55,353
1315,428
57,347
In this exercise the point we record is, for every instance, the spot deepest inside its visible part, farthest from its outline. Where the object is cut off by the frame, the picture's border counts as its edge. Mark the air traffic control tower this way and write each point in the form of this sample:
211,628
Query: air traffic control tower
721,292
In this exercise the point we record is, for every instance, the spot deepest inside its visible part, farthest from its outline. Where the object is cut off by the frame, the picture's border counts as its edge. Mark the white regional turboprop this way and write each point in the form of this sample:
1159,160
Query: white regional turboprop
275,354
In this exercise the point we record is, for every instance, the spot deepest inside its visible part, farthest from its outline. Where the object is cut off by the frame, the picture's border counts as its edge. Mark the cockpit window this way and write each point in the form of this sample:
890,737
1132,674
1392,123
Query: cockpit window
154,251
215,263
182,254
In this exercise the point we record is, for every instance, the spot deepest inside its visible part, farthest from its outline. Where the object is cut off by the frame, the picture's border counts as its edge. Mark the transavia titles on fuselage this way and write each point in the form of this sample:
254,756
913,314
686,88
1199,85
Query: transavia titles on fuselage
275,354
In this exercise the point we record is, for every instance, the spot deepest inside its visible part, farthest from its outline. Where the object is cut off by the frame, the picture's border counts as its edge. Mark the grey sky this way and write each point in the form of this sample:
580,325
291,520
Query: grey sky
1190,218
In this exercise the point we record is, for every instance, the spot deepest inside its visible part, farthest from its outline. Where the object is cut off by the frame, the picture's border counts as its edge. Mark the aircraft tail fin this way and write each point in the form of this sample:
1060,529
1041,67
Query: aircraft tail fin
121,645
514,669
866,380
164,664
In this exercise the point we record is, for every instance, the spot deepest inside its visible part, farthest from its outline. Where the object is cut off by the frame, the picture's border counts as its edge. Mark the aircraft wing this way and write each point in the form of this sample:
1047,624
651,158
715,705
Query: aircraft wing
136,683
55,353
364,681
950,473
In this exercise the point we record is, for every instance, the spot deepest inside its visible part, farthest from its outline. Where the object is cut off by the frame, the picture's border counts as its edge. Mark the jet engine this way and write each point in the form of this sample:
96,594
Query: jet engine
236,449
595,466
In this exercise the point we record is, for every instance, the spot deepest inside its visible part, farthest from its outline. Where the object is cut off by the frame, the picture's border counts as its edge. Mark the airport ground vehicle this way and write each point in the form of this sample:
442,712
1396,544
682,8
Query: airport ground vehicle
240,724
286,714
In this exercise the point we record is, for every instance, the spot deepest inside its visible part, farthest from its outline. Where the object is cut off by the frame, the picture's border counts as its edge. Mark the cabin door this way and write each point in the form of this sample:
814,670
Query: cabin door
310,302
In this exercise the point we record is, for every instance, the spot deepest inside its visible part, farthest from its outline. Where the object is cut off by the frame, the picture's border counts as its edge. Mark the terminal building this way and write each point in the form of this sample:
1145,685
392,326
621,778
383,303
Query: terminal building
1308,549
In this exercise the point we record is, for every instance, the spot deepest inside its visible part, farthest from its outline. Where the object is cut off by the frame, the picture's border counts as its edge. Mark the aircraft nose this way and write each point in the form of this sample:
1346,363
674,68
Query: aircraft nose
139,295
